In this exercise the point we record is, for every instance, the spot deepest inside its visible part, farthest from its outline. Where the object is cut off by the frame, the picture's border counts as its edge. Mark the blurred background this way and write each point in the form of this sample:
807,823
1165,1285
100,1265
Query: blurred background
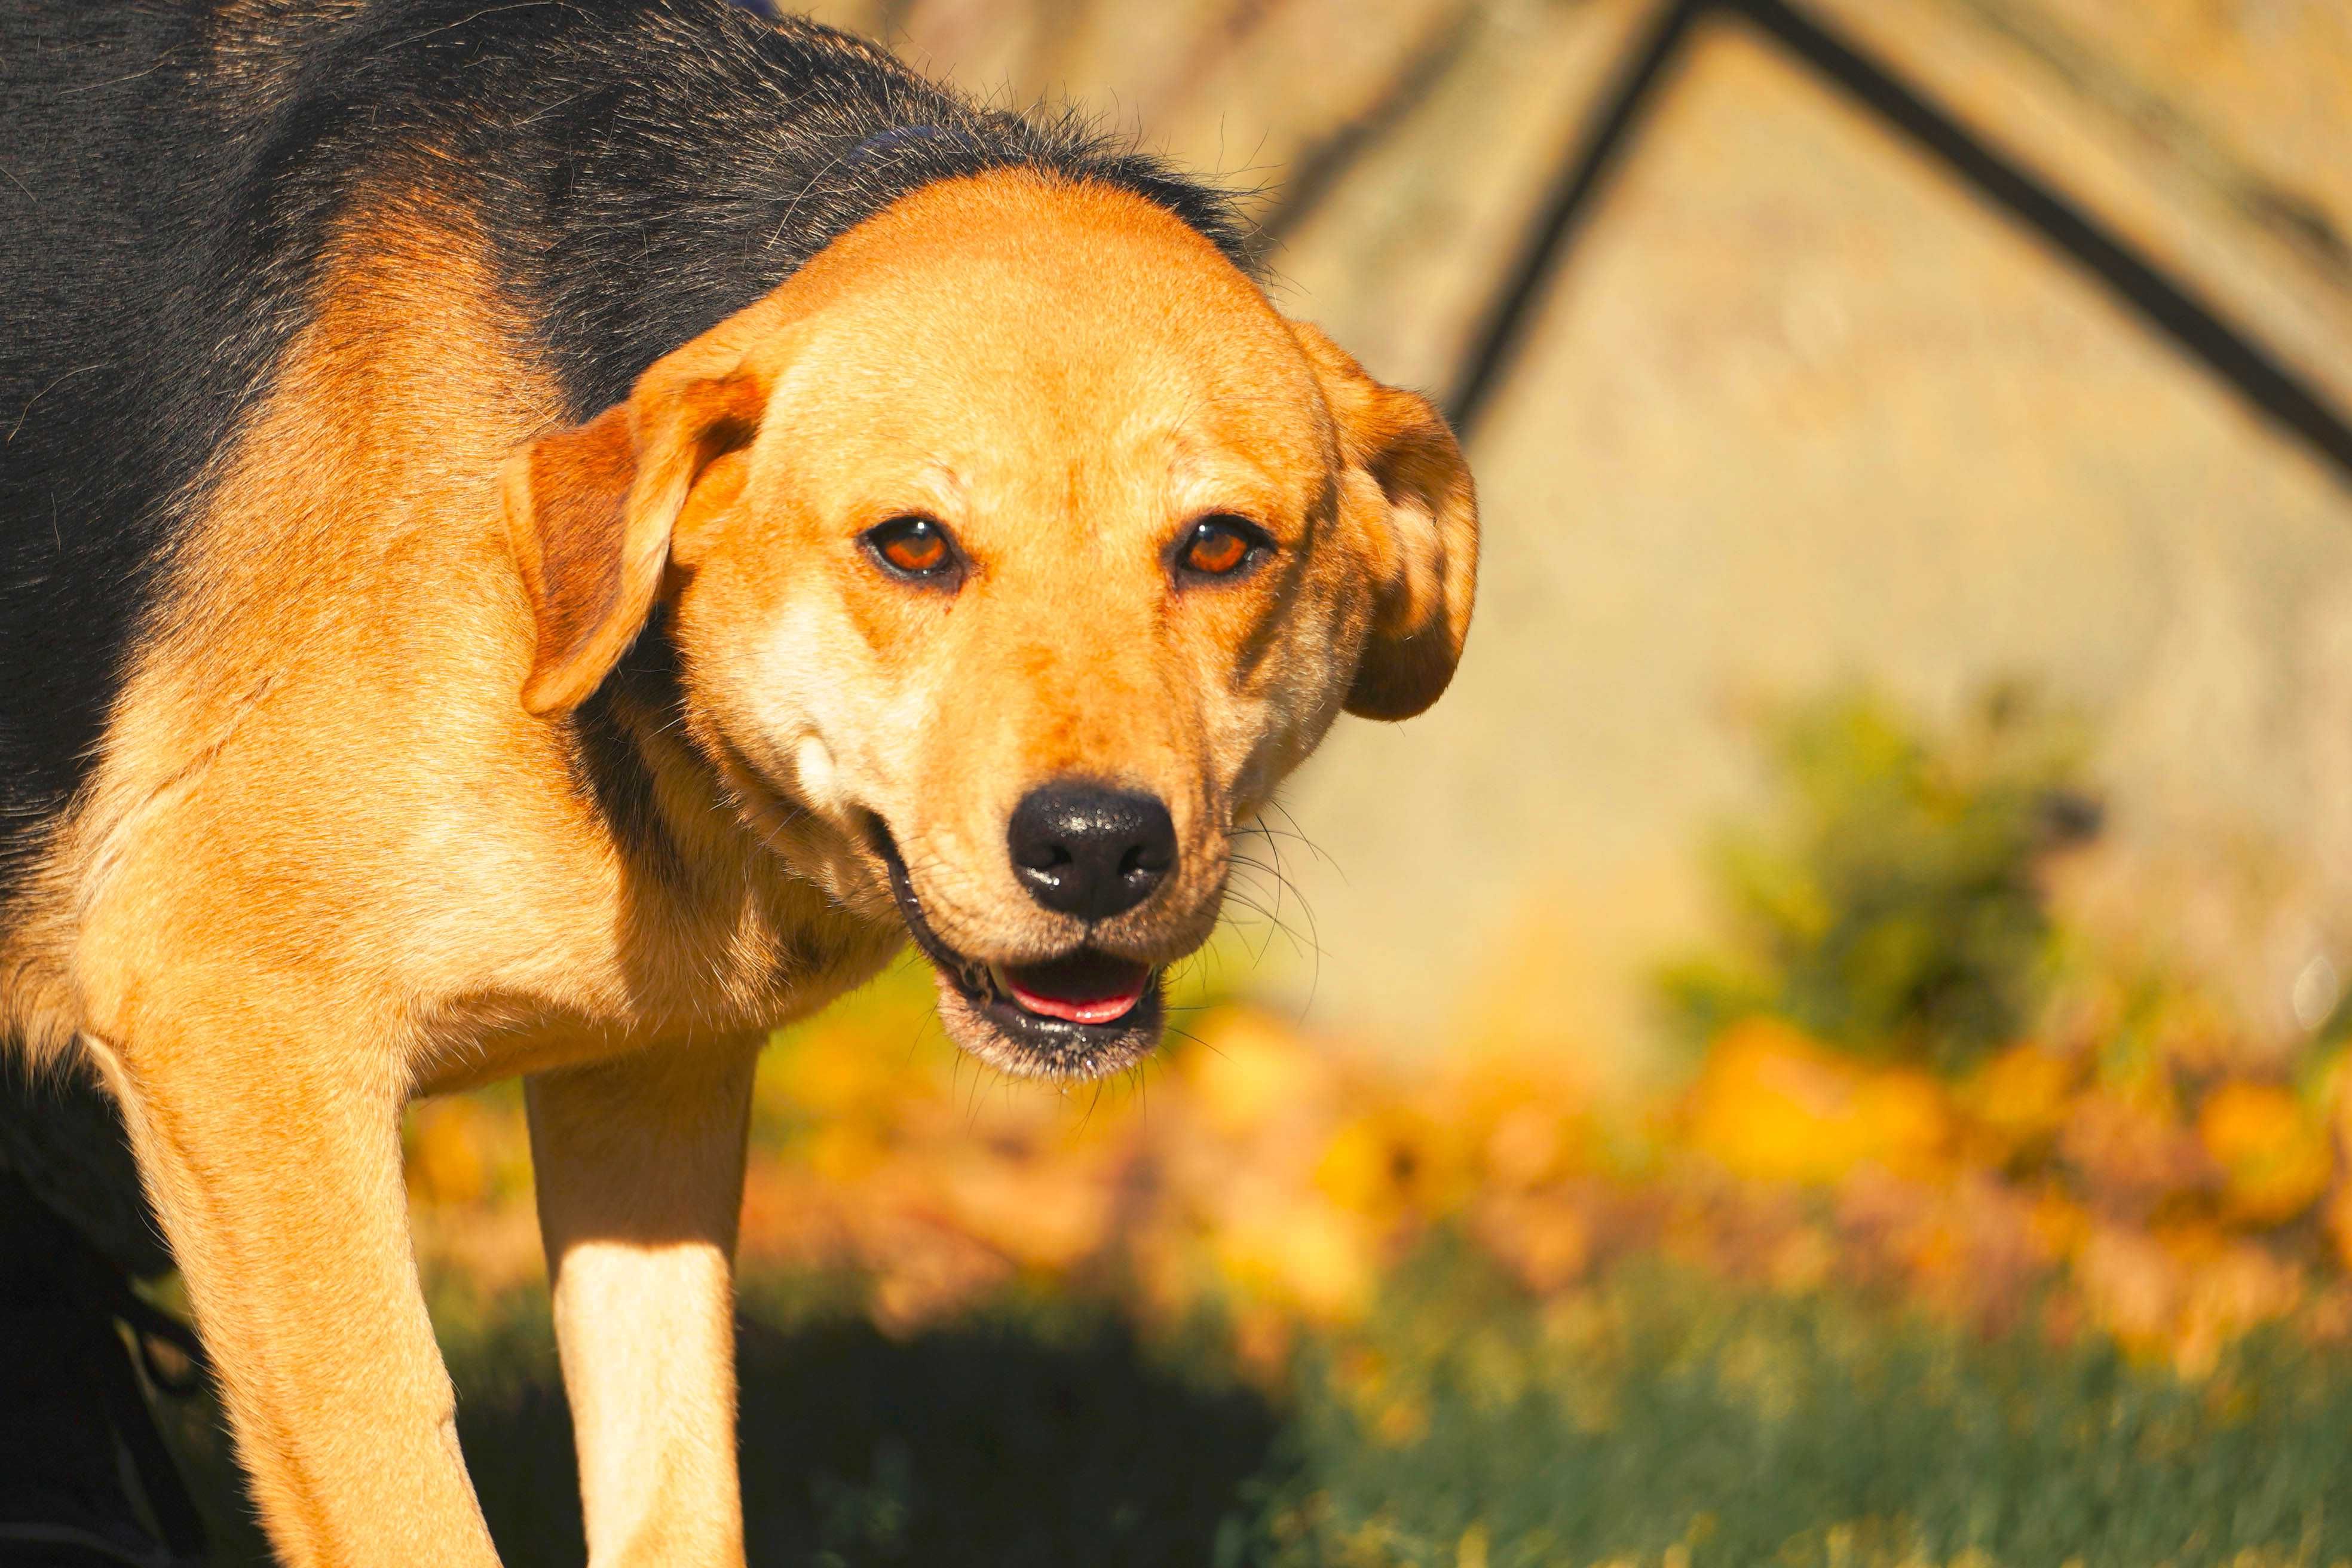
1828,1044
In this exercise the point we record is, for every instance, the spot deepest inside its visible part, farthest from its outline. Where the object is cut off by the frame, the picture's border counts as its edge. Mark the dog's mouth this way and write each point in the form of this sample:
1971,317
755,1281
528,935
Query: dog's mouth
1082,1015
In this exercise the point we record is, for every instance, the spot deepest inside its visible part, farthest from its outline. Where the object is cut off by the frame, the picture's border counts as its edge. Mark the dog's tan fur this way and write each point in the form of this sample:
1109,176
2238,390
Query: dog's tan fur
339,851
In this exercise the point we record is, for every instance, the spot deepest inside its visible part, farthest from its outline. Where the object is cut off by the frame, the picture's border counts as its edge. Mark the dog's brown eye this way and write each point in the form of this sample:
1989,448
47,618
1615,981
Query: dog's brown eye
913,547
1219,547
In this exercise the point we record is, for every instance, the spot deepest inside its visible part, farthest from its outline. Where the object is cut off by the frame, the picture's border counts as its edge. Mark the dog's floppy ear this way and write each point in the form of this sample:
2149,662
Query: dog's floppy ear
589,513
1416,512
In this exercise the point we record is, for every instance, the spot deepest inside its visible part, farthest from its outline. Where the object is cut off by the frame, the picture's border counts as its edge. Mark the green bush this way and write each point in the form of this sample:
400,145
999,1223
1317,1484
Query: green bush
1887,902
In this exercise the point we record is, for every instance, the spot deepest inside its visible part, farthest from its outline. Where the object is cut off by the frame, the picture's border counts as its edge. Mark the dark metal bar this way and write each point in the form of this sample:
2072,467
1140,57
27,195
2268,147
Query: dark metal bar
2167,305
1613,122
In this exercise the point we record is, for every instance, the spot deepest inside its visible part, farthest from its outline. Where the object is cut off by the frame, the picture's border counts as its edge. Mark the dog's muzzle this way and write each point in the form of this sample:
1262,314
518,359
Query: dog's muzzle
1082,1015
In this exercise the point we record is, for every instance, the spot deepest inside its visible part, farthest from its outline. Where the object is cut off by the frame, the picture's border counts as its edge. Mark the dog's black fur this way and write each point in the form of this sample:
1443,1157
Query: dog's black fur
641,169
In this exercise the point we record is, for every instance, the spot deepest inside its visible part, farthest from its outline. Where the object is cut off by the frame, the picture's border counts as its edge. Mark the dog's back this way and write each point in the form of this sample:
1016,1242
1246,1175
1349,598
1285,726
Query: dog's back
124,353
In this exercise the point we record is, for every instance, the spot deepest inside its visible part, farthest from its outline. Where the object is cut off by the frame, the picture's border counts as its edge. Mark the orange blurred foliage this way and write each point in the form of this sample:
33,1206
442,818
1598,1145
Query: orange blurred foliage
1277,1177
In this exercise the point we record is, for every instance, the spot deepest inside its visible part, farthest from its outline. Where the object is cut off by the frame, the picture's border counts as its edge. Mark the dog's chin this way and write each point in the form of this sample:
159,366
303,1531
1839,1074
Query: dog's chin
1013,1038
1078,1017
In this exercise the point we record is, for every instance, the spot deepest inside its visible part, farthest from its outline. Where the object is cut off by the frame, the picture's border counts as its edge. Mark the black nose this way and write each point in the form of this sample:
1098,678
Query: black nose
1085,850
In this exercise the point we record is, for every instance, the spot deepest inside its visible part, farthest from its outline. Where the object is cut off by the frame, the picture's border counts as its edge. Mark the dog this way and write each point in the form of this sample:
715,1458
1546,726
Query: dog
554,538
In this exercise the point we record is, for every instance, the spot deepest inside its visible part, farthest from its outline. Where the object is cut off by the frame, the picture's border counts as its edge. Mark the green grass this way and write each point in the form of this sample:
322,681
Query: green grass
1664,1419
1659,1419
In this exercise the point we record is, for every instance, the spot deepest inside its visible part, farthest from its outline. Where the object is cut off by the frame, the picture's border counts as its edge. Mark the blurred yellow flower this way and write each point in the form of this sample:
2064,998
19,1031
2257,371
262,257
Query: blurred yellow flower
1774,1105
1307,1256
2058,1223
2020,1096
1250,1069
1390,1162
1523,1111
1527,1147
2274,1160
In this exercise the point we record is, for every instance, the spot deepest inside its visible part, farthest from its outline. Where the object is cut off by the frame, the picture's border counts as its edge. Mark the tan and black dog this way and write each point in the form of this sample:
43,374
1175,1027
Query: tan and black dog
548,538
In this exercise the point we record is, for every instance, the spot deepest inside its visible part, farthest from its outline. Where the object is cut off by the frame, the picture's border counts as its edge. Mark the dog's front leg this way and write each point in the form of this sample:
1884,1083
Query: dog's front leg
273,1158
640,1170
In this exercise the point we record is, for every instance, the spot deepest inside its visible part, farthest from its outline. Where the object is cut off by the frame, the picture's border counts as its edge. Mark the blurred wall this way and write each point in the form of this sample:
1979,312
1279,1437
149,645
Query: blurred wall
1797,408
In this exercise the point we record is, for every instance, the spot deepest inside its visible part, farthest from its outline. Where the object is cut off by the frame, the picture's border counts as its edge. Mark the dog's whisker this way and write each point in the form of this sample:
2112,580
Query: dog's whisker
1305,945
1319,853
1314,943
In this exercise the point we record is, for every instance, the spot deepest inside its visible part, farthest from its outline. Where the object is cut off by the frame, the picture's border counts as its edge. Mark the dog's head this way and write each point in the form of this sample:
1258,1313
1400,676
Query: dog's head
1013,551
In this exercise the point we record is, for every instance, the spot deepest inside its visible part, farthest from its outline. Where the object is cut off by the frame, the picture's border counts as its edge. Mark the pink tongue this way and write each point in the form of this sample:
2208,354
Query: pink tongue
1088,989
